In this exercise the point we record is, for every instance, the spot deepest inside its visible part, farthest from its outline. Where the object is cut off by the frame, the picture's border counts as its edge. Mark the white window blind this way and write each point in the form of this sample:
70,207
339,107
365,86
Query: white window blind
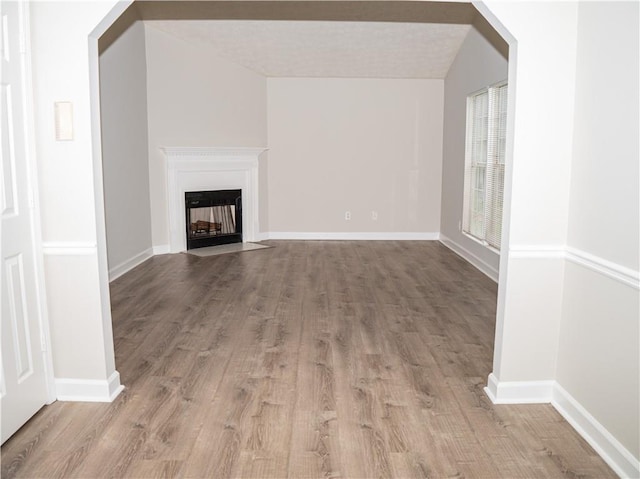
484,164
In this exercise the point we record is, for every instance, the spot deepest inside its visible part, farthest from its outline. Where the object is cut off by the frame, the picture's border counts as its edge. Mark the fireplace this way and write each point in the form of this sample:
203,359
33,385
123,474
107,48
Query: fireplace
213,217
196,169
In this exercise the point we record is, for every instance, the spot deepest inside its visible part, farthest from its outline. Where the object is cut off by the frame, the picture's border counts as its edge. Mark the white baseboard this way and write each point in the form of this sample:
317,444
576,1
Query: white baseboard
350,236
131,263
463,252
602,441
89,390
598,437
519,392
161,249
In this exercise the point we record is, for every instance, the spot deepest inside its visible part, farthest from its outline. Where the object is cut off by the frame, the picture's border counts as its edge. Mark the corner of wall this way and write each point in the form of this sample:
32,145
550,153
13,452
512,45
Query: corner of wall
620,459
485,267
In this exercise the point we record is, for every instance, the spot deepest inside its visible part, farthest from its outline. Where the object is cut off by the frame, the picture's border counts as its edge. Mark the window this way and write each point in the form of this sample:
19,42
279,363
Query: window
484,164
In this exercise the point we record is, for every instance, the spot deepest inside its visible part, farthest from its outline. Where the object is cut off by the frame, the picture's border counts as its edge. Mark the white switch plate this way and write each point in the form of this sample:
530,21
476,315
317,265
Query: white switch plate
64,120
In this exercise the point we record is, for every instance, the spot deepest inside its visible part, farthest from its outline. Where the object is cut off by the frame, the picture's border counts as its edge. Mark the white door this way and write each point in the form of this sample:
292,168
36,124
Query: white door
23,380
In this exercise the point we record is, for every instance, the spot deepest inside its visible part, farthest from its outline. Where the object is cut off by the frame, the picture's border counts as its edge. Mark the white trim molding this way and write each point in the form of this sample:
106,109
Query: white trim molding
211,168
550,392
69,248
602,441
605,267
467,255
351,236
128,265
518,392
89,390
590,261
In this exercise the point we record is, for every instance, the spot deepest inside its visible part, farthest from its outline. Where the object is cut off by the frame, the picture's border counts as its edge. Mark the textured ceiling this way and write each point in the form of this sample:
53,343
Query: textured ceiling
327,48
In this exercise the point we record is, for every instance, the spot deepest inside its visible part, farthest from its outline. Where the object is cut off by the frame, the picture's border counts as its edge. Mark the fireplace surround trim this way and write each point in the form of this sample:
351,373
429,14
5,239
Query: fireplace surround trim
207,169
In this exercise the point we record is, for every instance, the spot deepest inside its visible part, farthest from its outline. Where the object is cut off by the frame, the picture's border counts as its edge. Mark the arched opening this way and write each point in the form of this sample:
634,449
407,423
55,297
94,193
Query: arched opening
432,13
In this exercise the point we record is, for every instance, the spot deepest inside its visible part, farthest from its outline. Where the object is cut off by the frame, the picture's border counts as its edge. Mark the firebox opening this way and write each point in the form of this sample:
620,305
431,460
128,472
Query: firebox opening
213,217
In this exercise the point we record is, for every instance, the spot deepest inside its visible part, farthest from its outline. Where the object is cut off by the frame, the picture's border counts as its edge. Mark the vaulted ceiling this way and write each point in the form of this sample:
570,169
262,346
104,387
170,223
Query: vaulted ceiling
320,38
328,49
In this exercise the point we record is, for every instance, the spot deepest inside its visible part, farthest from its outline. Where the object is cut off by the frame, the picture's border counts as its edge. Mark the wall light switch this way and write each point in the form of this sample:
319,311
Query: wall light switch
64,120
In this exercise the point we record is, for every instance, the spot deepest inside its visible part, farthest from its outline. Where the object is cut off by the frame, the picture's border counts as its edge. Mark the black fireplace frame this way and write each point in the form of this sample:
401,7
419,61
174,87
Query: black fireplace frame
203,199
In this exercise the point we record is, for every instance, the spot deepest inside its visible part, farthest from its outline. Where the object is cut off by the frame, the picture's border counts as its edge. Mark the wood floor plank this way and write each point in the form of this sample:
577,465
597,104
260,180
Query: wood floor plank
315,450
305,360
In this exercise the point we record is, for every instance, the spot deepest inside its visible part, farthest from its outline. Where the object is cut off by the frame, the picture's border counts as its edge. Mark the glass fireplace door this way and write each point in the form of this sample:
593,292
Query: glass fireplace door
213,217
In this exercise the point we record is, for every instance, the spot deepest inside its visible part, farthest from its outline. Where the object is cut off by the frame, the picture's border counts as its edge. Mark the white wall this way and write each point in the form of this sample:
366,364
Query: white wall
599,358
541,74
196,99
567,326
125,158
605,170
357,145
477,65
72,228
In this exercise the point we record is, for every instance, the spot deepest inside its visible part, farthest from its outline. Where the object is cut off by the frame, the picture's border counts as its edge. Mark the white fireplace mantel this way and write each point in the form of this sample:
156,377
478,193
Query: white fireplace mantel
207,169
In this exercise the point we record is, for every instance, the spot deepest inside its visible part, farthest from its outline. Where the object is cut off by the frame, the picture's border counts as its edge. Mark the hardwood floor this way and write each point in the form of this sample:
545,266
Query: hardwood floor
305,360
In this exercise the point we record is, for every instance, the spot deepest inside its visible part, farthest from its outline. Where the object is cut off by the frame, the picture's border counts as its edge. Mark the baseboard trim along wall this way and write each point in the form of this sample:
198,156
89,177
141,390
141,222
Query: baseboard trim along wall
89,390
350,236
128,265
470,257
598,437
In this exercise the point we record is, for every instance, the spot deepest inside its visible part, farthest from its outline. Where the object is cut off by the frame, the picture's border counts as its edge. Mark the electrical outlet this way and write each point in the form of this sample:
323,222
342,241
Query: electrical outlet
459,225
374,215
347,215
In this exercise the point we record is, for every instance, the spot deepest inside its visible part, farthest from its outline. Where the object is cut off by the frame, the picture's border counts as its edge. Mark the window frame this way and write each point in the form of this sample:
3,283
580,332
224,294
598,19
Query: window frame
494,121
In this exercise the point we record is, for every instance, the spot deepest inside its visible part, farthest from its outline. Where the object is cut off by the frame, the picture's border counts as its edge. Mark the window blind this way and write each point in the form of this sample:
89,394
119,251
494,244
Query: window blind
484,164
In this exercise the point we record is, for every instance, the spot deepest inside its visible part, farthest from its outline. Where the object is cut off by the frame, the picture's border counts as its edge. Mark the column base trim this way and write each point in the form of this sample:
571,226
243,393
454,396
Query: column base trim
89,390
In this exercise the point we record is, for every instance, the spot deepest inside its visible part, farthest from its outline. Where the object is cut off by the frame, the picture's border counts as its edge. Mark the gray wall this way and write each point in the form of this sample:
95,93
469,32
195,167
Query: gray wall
477,65
123,101
357,145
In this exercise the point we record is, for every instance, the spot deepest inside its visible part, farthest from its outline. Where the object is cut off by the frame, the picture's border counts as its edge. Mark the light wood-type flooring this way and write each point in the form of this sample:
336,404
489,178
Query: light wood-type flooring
305,360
